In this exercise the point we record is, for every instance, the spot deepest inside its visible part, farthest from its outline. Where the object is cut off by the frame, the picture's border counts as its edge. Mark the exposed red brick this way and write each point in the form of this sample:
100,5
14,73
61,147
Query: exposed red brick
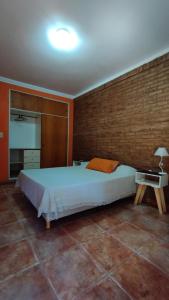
127,118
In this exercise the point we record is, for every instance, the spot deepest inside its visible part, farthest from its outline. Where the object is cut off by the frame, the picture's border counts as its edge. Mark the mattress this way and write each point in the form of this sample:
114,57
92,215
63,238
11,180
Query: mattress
56,192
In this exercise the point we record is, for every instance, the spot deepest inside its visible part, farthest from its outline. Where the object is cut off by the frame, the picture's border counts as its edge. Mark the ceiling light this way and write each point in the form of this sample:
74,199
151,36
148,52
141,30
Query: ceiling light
62,38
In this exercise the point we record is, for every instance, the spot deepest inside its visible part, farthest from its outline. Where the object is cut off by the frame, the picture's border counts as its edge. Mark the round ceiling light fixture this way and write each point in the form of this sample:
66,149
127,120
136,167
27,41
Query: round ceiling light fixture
62,38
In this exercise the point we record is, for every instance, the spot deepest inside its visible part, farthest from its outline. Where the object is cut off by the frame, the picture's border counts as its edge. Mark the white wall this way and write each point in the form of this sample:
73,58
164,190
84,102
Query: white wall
25,134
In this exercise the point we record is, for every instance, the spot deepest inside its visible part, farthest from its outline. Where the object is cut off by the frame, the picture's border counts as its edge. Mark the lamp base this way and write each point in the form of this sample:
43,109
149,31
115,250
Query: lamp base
162,173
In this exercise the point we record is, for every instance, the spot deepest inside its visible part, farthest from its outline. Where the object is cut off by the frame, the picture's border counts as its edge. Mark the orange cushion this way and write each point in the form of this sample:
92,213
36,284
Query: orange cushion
103,165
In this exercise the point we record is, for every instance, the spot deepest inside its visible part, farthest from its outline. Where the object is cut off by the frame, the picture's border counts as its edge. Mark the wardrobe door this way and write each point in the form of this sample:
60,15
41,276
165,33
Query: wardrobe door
54,134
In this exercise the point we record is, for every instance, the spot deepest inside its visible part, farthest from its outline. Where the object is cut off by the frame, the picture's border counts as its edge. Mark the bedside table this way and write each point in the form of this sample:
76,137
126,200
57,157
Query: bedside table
157,182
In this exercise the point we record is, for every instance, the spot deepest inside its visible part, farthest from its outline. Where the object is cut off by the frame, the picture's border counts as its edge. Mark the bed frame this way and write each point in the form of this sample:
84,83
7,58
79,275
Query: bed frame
47,224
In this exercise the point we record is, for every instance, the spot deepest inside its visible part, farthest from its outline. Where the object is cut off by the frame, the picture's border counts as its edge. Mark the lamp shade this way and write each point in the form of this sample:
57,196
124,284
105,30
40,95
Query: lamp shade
161,151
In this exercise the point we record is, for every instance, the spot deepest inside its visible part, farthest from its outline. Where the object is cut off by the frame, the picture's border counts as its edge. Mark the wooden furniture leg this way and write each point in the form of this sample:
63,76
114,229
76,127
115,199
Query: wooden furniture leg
142,194
139,190
163,200
158,198
47,224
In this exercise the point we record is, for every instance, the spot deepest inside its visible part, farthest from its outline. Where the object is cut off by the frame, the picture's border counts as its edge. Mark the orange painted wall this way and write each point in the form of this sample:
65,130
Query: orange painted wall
4,123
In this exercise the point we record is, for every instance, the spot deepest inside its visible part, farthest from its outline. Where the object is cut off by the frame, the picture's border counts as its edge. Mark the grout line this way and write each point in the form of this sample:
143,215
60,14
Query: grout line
10,223
33,250
13,242
71,236
124,244
81,245
152,235
138,254
137,227
19,272
93,285
152,263
23,237
159,220
120,286
97,264
149,232
135,251
6,224
45,274
52,286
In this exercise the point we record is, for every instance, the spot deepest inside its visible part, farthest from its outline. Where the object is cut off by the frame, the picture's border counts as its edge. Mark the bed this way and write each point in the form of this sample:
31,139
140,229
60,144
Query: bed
62,191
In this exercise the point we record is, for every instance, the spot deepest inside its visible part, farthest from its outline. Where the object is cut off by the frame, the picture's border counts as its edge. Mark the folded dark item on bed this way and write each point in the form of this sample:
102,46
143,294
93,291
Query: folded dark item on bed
153,172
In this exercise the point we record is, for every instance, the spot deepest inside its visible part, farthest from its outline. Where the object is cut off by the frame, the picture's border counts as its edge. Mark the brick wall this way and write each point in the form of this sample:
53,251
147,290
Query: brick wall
127,118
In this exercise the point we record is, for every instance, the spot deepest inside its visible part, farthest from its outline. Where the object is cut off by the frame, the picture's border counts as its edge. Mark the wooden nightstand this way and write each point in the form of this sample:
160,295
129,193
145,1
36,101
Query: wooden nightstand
157,182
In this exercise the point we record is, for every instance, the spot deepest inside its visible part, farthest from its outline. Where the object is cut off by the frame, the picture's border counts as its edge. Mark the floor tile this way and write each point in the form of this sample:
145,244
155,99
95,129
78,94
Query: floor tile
142,280
23,208
83,230
14,258
156,227
107,251
144,209
71,273
8,188
34,225
5,203
8,192
132,236
51,243
7,217
105,221
11,233
79,250
149,211
2,195
158,253
105,290
157,217
122,214
29,285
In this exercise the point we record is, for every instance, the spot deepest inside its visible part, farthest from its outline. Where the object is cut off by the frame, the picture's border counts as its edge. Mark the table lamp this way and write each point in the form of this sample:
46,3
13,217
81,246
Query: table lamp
162,152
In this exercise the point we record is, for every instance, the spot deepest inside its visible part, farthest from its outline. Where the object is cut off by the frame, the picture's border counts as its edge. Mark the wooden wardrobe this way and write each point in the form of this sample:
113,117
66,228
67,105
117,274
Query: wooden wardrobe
54,126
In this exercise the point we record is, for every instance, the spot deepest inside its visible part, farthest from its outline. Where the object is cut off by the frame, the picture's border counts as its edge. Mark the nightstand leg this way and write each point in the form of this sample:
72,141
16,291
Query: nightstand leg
163,200
158,198
142,193
139,190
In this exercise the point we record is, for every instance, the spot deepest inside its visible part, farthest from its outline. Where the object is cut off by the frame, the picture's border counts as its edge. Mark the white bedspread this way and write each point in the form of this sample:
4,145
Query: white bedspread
55,190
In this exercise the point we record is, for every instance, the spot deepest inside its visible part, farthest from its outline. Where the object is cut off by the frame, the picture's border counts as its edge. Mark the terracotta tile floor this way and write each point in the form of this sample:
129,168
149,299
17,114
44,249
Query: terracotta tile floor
116,252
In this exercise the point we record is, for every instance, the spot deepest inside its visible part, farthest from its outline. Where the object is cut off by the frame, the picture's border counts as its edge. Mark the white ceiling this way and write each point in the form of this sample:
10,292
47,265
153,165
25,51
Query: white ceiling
115,36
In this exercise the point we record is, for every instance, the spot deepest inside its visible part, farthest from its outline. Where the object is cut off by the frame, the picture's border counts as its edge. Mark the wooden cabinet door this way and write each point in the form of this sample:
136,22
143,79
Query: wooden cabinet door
54,134
34,103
